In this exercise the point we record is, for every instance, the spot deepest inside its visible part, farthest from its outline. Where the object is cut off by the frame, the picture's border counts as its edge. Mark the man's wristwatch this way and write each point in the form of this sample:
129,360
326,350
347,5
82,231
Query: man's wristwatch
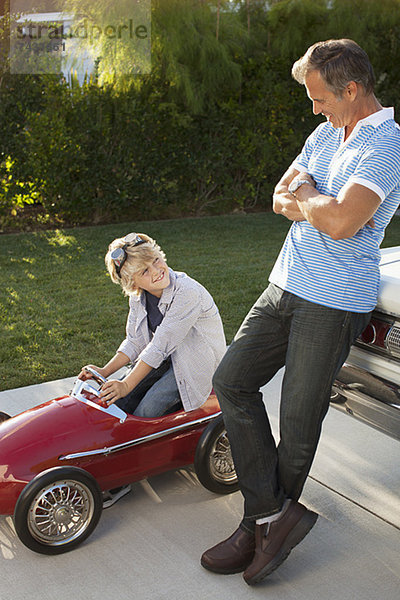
294,186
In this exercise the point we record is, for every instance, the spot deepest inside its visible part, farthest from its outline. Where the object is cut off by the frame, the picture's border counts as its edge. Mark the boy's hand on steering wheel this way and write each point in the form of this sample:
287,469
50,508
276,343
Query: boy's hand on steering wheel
113,390
84,374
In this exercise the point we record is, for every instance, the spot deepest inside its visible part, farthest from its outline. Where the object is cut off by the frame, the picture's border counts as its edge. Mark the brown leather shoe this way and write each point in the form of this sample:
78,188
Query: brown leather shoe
232,555
274,541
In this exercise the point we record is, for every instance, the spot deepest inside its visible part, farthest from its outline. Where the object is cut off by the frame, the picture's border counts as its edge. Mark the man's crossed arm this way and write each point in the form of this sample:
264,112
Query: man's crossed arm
339,217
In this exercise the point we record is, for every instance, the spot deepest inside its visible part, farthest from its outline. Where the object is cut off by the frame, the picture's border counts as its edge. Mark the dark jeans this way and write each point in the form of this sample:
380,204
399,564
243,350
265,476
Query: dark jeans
312,341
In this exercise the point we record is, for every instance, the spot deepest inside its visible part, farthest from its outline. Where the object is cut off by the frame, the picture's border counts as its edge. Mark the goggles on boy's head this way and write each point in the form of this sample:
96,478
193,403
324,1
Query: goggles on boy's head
119,255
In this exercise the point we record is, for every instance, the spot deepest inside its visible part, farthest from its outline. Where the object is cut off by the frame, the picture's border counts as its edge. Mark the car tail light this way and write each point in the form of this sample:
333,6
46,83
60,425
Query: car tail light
382,335
375,333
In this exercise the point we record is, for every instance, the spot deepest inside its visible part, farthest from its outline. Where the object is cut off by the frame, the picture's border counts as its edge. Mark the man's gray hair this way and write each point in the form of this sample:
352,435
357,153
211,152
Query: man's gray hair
338,62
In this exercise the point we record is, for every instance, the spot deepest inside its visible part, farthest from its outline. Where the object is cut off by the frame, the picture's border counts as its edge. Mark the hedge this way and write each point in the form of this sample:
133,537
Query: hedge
73,154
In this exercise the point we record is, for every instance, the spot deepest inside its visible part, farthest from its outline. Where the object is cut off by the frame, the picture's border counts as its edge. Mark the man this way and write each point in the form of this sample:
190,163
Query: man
340,193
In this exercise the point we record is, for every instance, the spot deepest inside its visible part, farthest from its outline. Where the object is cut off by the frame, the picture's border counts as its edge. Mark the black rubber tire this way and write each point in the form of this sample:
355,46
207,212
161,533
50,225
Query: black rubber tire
65,501
4,417
213,459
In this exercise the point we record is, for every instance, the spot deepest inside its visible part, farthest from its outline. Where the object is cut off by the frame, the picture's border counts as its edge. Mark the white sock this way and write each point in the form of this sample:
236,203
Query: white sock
275,516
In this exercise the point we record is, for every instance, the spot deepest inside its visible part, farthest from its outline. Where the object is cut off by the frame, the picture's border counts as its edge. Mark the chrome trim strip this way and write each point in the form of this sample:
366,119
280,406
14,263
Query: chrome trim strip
355,380
369,410
142,440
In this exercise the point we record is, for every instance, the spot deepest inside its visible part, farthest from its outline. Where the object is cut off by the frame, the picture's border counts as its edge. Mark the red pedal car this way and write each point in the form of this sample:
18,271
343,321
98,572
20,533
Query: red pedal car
57,458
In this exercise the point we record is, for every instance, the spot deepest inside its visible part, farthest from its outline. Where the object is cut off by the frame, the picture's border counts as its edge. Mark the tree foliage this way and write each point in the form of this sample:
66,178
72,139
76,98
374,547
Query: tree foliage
209,129
193,57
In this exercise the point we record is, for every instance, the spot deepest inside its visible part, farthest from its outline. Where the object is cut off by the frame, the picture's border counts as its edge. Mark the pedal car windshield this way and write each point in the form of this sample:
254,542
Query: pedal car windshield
85,392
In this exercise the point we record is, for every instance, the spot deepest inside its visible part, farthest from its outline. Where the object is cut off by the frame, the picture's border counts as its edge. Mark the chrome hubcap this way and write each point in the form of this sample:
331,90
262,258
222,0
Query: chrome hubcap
61,512
221,462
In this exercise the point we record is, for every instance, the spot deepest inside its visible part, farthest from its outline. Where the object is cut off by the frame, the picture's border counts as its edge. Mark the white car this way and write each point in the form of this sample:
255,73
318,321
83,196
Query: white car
368,385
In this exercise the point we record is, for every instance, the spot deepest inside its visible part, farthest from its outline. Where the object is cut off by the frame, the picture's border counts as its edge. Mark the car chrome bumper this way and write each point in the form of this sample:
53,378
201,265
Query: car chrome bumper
371,399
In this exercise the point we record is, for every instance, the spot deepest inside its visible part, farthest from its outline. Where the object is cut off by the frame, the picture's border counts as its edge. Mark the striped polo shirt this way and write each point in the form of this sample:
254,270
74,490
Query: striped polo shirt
343,274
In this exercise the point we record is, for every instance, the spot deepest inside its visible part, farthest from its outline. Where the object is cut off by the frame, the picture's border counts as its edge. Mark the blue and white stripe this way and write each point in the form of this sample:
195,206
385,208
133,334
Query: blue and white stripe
343,274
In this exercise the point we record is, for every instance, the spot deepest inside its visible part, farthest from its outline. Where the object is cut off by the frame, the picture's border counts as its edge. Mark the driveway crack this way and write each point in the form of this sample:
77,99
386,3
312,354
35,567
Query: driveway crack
371,512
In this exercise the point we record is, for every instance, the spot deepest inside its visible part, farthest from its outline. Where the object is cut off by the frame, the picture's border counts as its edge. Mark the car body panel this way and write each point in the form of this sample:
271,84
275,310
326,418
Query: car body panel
389,289
53,433
368,385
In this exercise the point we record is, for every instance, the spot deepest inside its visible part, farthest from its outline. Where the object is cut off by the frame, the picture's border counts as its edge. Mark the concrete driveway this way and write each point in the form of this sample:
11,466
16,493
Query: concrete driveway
147,546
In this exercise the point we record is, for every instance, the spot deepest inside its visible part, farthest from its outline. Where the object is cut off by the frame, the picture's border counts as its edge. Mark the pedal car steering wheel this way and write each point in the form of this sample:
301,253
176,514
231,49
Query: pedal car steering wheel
95,375
82,388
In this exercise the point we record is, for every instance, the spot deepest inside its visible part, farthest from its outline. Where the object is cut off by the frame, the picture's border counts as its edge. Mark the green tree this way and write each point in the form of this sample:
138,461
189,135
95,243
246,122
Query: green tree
193,59
376,27
209,129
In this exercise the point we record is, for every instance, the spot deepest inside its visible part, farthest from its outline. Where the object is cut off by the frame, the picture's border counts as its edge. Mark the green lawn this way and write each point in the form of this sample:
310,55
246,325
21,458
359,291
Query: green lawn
59,309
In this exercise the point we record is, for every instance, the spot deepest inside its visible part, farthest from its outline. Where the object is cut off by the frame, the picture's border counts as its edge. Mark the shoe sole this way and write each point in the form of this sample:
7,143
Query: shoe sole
223,571
298,533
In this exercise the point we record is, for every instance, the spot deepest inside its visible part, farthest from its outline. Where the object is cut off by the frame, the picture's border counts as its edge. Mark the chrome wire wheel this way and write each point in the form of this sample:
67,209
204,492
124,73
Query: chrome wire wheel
60,513
213,461
222,468
58,510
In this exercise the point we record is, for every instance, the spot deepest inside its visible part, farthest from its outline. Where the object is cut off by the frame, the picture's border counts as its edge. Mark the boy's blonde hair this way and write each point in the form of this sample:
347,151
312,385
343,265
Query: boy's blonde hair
137,258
